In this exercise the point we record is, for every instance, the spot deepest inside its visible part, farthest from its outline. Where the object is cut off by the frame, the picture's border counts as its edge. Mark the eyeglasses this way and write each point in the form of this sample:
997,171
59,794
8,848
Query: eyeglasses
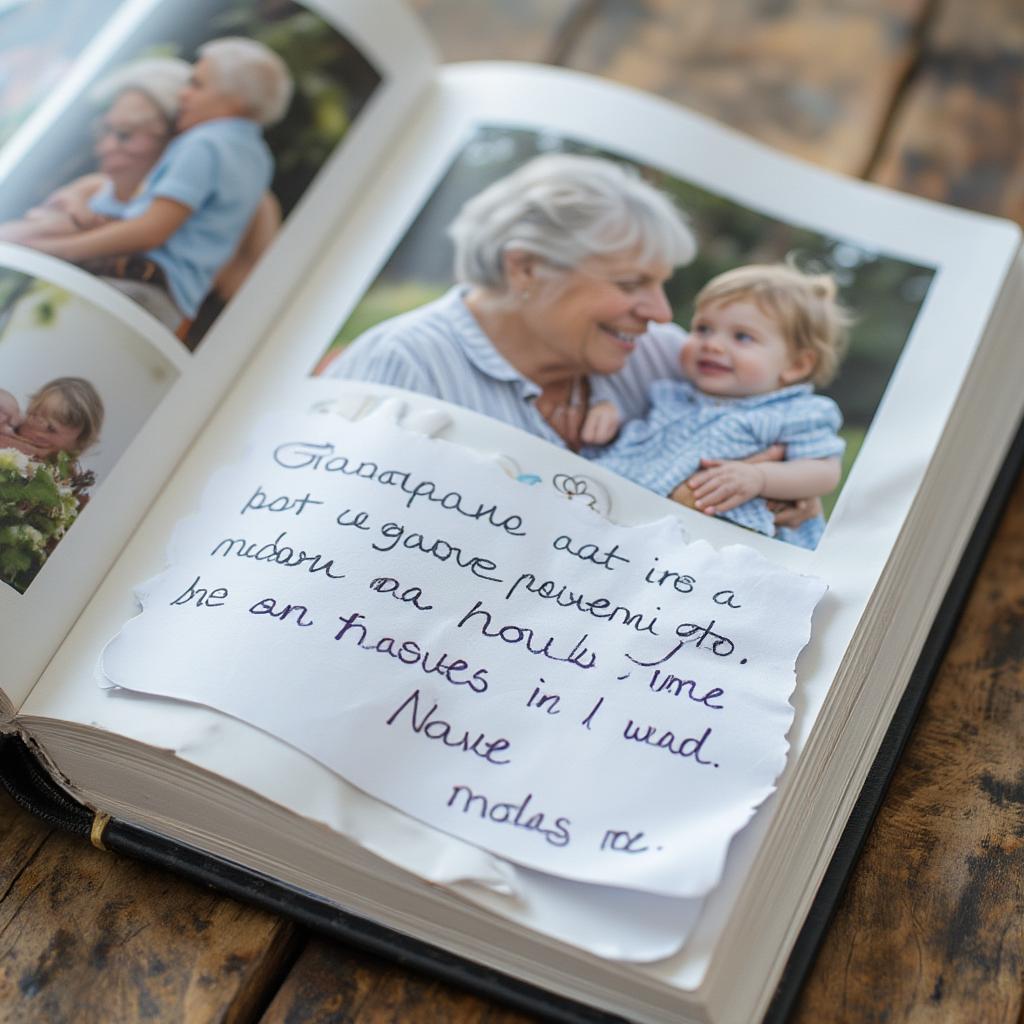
125,133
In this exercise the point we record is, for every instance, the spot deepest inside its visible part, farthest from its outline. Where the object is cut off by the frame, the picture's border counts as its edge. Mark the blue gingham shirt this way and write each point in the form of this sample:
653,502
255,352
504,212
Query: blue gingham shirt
685,425
440,350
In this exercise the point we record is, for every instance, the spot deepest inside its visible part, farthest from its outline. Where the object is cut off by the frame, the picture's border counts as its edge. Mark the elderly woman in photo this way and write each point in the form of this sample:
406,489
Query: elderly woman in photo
560,307
560,302
140,106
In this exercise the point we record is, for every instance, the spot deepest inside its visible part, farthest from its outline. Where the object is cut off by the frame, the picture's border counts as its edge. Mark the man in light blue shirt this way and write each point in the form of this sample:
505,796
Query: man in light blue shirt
192,210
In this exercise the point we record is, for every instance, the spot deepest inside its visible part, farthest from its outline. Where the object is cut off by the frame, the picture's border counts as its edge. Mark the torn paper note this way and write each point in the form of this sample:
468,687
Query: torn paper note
603,703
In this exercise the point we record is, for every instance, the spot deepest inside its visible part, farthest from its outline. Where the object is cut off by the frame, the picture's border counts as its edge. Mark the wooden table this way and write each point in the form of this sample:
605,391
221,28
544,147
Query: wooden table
923,95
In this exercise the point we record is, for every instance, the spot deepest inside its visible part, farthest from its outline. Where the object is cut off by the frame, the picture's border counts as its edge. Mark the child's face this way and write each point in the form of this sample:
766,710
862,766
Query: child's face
201,99
44,427
735,349
10,412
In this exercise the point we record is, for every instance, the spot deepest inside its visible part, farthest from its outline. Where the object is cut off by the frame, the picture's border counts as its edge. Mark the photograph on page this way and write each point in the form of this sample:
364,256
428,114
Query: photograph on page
76,386
705,350
172,174
39,41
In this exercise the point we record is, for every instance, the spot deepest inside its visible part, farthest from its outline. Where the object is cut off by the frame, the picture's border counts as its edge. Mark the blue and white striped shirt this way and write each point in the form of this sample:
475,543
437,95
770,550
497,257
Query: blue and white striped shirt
441,350
685,425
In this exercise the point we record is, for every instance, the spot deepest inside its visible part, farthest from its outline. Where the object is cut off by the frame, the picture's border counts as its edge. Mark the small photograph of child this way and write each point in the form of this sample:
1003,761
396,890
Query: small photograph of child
679,339
76,386
206,129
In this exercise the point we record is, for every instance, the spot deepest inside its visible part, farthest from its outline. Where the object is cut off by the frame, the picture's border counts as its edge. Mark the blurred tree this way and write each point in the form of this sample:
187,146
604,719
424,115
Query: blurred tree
16,289
13,287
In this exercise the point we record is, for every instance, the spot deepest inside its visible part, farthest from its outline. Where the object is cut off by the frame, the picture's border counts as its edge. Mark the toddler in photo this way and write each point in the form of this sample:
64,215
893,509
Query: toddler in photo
64,415
762,337
43,487
165,245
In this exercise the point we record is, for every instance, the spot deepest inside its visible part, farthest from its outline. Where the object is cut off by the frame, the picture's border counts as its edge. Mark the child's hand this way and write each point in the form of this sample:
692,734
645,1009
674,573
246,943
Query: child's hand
720,485
601,423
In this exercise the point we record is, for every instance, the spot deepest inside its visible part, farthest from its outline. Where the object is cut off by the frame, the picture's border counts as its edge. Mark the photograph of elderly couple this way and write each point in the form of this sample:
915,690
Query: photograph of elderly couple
704,350
76,387
171,176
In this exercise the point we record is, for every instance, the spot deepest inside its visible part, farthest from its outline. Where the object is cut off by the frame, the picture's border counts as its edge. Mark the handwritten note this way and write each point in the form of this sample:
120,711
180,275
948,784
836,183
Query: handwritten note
600,702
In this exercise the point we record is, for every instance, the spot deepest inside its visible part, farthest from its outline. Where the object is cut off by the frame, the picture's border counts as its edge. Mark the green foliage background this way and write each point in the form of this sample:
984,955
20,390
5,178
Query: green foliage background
42,299
883,292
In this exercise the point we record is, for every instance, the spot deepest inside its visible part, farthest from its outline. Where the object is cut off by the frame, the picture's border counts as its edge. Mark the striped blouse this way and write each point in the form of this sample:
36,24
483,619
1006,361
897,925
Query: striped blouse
441,350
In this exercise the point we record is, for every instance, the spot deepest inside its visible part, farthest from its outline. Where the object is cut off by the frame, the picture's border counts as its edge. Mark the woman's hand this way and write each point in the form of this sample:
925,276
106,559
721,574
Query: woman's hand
792,513
601,423
721,485
66,210
683,495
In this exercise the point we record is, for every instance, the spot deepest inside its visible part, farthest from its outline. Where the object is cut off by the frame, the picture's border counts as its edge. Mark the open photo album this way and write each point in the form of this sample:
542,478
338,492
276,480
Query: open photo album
481,504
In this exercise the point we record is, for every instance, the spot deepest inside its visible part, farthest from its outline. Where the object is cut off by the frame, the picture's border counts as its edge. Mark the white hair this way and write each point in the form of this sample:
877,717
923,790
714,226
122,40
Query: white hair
159,79
565,209
252,73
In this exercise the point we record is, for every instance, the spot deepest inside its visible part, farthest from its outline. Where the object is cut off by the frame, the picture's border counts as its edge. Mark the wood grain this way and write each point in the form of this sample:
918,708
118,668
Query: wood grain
817,78
500,29
21,835
90,936
932,925
958,136
332,983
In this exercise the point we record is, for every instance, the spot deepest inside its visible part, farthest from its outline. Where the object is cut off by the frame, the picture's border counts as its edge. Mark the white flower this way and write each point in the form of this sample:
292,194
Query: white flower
31,535
12,459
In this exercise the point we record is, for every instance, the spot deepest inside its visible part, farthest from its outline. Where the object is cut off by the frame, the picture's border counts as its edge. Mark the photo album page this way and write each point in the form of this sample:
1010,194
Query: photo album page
576,447
168,174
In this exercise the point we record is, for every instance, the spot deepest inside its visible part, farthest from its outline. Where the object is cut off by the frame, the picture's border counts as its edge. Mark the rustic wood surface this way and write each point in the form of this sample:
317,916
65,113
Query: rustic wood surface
87,936
923,95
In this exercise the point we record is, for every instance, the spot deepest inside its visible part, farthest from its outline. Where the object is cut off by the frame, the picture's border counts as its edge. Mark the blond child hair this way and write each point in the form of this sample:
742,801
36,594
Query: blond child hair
77,405
805,307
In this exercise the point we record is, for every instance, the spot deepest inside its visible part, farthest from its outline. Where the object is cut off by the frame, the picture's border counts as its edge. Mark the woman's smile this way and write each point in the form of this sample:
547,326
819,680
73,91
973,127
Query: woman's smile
594,315
626,339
